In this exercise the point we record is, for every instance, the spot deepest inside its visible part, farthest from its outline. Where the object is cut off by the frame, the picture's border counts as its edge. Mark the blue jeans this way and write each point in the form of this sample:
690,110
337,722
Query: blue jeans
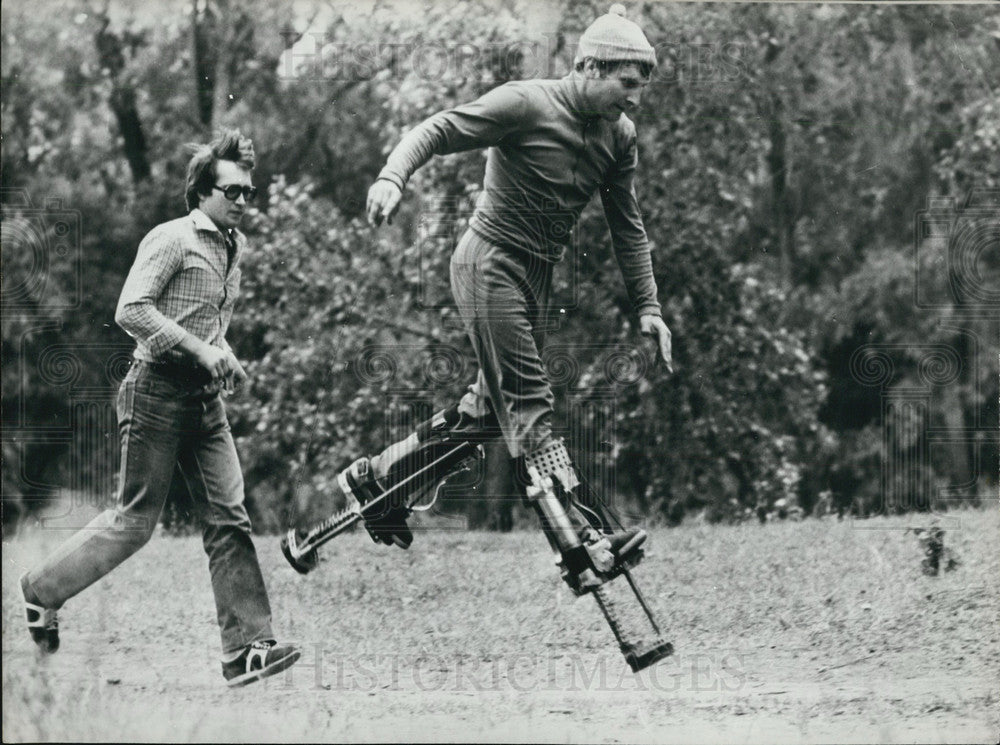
167,422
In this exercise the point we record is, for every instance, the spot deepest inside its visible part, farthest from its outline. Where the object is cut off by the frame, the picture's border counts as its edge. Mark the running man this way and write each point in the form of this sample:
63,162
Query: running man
177,303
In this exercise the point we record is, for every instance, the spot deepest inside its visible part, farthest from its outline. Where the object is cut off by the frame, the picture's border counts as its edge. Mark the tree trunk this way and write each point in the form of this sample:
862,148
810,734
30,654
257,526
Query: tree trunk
222,45
960,416
111,57
203,64
777,161
123,103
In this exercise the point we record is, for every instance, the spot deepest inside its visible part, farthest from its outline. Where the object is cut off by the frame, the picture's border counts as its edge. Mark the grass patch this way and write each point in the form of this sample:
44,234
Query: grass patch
812,631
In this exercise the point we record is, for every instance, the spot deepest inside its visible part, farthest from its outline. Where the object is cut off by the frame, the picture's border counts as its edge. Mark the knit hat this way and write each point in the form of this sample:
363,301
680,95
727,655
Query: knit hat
614,38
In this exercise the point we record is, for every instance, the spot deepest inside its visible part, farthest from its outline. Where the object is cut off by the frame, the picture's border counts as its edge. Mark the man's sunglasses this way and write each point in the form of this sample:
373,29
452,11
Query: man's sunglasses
233,191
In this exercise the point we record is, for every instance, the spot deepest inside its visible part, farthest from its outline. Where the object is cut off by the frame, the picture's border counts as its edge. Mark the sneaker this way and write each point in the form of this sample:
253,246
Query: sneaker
43,623
259,660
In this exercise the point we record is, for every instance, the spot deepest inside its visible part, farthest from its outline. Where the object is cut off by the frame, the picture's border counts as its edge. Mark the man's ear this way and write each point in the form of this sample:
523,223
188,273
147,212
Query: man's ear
590,68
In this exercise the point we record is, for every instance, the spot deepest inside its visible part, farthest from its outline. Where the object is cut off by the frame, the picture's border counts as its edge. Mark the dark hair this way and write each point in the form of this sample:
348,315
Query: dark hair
229,144
610,66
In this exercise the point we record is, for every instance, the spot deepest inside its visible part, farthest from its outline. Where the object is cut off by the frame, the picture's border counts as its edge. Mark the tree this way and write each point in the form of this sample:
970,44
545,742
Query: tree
785,152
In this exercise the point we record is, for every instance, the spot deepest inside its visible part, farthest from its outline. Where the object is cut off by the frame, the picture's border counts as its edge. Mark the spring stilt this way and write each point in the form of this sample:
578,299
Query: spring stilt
639,653
300,548
337,522
642,601
607,606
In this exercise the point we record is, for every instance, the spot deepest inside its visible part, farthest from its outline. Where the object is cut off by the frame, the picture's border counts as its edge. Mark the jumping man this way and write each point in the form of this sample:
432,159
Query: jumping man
552,144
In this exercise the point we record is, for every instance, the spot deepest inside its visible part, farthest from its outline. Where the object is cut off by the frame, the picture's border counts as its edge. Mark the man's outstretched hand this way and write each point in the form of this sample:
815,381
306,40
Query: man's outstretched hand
383,201
653,326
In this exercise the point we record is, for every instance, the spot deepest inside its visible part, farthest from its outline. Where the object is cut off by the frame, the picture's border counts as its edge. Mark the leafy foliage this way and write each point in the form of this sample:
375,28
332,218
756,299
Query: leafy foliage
786,153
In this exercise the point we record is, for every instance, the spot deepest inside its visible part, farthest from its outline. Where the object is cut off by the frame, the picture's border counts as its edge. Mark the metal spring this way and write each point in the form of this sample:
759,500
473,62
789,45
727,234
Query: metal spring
607,606
330,527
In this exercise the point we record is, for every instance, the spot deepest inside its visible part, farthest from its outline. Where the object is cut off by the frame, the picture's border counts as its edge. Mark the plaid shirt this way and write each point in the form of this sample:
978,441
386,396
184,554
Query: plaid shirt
179,285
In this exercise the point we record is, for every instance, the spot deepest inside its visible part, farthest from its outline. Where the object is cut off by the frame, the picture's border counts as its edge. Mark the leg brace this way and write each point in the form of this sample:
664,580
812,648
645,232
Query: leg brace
550,472
383,493
384,489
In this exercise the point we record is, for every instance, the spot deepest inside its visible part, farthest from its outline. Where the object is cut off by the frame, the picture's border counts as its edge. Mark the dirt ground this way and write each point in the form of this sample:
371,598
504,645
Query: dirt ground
819,631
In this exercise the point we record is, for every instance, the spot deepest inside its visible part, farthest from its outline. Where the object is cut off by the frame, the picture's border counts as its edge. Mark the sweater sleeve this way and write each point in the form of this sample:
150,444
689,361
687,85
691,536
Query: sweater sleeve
481,123
628,234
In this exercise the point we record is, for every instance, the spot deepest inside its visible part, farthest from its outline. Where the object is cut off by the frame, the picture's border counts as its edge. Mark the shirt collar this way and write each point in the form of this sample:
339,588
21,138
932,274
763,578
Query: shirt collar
204,222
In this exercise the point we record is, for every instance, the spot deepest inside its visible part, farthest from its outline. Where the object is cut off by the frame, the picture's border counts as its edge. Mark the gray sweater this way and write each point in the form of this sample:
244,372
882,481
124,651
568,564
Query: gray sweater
547,156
